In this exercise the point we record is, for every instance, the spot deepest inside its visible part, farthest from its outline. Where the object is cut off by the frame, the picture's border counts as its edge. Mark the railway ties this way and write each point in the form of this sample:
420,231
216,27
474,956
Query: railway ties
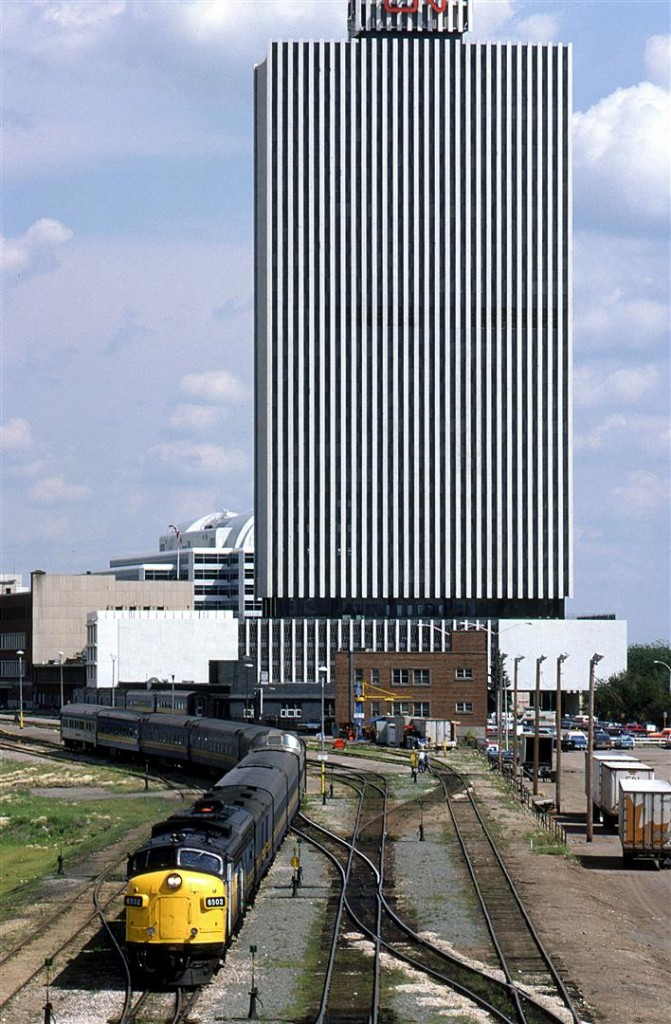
527,965
351,974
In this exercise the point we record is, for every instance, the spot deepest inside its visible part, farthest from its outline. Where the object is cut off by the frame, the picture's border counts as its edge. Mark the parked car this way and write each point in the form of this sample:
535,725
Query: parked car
623,742
602,740
573,740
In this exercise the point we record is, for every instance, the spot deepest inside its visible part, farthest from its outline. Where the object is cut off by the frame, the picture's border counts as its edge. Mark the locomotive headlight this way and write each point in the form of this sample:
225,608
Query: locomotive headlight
173,881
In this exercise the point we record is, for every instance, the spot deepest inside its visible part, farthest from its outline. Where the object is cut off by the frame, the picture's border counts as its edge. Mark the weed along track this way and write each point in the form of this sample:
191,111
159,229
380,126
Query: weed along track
368,937
390,904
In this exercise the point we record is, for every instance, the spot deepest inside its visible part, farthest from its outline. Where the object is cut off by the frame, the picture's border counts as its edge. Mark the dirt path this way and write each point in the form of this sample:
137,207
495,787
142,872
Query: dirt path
607,926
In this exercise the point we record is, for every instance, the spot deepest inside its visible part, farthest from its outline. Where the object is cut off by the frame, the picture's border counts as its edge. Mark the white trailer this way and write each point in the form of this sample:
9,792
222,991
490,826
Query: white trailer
597,758
611,773
645,818
438,732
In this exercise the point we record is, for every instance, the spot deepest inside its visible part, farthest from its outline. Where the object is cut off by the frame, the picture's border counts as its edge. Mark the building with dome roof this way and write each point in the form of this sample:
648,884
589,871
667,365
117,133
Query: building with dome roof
215,552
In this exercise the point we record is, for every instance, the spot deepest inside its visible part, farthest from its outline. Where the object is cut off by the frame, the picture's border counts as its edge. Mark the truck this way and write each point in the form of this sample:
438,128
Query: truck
606,786
526,746
597,758
644,824
438,732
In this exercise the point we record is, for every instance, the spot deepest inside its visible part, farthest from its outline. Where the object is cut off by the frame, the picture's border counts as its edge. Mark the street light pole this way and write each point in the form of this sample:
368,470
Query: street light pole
113,657
537,720
20,657
589,825
176,532
560,661
516,741
60,664
247,665
656,662
323,673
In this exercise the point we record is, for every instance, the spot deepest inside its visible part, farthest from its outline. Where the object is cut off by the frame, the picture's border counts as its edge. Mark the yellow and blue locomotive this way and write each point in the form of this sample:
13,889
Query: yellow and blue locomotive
189,884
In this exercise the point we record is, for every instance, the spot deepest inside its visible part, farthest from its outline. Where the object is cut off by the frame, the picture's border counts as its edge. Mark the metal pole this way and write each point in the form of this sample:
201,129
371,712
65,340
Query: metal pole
322,674
516,741
20,654
560,660
172,695
60,663
248,665
499,722
537,721
589,825
112,656
176,532
667,666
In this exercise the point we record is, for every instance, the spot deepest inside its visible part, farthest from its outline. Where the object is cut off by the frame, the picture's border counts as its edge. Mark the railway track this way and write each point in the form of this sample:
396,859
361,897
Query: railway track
73,926
527,965
518,994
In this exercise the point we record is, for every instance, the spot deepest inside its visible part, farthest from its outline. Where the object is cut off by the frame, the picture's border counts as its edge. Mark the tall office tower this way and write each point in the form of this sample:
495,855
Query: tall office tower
413,320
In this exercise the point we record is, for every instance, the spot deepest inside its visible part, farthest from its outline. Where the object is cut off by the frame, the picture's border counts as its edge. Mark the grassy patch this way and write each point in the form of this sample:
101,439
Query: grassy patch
543,842
34,830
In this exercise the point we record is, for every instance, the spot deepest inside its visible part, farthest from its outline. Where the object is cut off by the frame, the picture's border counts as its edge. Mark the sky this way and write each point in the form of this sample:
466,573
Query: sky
126,323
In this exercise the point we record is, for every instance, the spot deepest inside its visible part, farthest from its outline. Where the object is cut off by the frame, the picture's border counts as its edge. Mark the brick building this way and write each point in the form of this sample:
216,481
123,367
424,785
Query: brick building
450,685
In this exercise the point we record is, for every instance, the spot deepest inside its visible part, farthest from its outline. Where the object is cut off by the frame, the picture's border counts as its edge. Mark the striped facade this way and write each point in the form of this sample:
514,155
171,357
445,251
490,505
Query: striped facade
413,345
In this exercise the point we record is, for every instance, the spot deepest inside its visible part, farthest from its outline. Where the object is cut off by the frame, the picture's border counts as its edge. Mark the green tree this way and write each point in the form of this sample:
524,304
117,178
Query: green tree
641,693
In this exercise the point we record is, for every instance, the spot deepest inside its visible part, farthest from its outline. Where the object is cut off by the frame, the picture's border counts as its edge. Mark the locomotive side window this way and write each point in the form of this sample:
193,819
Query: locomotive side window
201,861
157,859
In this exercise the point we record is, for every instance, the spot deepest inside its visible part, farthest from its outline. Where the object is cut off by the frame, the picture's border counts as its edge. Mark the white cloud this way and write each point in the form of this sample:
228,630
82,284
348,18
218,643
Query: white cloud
195,460
34,252
642,495
621,157
197,419
55,490
621,294
637,434
658,60
538,28
594,385
15,436
215,386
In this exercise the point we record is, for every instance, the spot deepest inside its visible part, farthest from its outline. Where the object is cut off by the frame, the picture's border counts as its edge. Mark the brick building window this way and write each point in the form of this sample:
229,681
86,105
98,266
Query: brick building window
421,677
400,707
464,707
400,677
421,709
463,673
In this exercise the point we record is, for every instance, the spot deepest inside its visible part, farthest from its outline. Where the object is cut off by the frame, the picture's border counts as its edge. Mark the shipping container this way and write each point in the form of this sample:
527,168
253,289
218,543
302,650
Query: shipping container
527,745
436,731
607,781
645,818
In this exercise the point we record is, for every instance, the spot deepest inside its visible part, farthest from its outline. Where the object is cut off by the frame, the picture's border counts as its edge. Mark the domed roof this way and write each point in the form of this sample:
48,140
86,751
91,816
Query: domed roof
238,527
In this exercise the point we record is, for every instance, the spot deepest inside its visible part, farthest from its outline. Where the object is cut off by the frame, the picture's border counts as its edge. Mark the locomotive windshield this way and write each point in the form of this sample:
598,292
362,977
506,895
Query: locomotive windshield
200,861
161,858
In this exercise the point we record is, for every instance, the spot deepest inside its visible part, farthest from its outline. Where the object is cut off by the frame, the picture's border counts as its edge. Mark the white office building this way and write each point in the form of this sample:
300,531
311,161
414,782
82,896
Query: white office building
413,320
215,552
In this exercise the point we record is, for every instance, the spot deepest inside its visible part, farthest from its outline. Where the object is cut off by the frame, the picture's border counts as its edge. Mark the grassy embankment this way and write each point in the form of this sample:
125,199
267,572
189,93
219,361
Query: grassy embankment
36,829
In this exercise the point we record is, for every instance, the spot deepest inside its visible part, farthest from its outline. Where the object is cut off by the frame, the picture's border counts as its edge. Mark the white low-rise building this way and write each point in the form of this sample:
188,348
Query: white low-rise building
136,646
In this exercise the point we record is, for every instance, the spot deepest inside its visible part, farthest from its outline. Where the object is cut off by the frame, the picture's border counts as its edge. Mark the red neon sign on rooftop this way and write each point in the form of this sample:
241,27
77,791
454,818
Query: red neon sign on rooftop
412,6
